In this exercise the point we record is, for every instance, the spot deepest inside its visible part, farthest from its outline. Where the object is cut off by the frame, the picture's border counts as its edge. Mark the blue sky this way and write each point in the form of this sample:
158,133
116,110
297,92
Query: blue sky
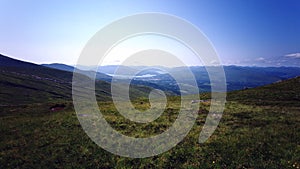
254,32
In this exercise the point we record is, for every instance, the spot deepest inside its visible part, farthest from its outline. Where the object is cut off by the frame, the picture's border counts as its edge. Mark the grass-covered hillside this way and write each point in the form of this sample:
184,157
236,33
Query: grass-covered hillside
282,93
248,136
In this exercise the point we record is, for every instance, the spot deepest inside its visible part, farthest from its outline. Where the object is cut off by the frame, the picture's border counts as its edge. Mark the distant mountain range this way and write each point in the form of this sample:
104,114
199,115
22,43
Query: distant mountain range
24,82
237,77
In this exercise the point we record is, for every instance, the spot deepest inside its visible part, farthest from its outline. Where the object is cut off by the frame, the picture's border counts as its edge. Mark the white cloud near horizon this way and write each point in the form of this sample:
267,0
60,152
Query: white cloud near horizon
293,55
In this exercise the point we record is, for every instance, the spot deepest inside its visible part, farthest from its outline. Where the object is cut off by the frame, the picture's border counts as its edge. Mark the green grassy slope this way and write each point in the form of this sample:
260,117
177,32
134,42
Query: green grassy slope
283,93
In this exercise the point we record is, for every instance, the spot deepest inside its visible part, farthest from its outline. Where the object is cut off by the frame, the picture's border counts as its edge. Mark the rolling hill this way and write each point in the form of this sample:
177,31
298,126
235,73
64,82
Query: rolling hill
282,93
25,83
59,66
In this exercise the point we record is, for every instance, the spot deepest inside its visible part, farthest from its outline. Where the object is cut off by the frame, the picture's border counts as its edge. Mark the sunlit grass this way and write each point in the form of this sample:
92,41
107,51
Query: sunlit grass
247,137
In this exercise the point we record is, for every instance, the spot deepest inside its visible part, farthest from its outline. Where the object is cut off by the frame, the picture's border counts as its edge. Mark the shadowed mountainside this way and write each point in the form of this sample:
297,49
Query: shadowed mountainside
25,83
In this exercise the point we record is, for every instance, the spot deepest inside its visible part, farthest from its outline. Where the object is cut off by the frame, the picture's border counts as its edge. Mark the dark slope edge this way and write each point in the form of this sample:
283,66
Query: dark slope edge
283,93
26,83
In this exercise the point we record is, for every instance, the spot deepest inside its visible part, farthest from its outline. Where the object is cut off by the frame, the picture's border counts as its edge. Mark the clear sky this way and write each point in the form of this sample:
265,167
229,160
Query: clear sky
244,32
